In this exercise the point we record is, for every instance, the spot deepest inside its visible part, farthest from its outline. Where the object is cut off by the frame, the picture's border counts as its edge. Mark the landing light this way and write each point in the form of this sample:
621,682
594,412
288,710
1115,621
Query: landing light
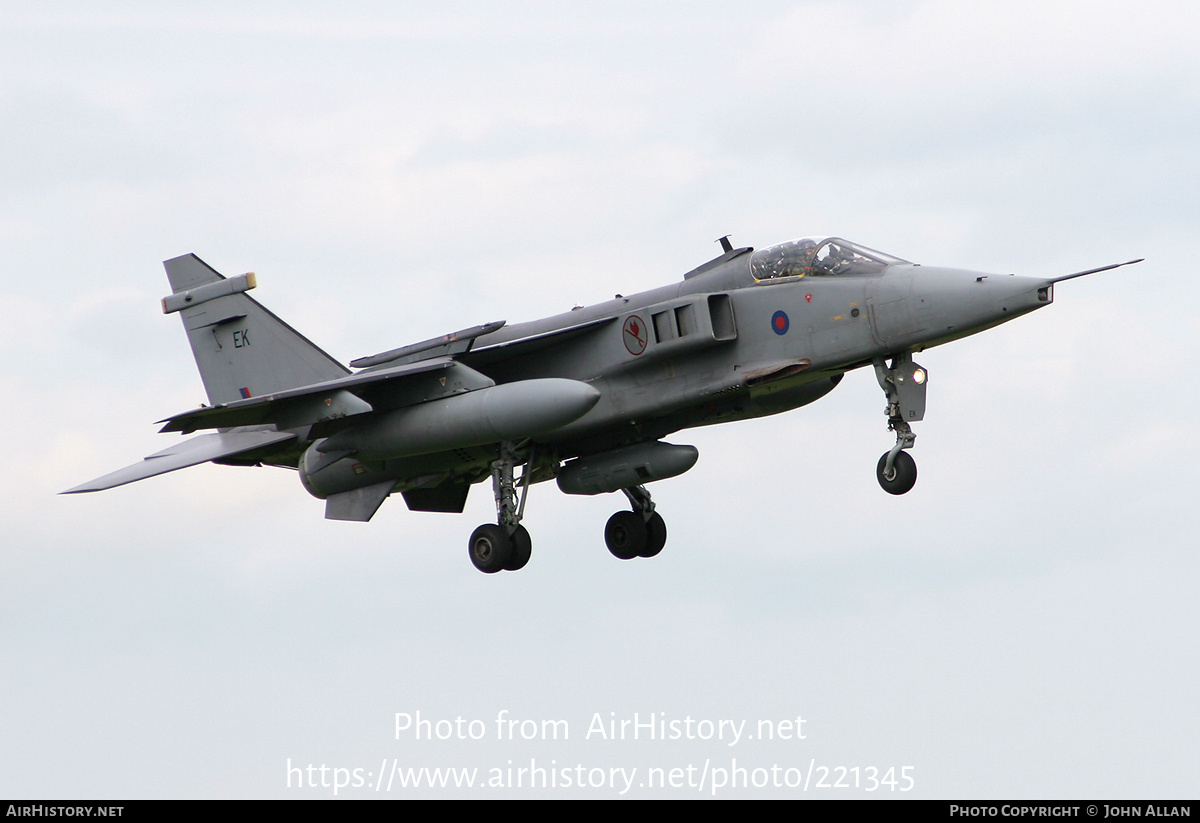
919,376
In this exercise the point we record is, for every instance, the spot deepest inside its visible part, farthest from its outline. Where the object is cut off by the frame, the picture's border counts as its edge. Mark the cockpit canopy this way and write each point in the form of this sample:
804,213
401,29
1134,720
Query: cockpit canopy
823,256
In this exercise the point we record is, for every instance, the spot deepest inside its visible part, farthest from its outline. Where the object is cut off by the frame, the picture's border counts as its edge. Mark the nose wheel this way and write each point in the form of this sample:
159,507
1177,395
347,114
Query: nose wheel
902,476
638,533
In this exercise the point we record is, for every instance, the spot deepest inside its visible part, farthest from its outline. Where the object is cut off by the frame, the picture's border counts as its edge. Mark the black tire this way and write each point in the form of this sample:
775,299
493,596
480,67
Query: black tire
625,535
490,548
904,473
656,536
522,548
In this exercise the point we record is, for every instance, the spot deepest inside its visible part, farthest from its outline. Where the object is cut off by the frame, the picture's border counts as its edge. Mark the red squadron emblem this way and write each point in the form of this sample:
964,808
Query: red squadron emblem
634,334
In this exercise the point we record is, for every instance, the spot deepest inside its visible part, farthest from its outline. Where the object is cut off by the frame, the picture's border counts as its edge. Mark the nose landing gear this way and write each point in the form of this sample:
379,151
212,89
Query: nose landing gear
904,383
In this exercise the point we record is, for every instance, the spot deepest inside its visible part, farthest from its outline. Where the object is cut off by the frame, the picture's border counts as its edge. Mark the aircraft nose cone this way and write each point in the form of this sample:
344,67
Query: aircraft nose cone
954,303
1019,295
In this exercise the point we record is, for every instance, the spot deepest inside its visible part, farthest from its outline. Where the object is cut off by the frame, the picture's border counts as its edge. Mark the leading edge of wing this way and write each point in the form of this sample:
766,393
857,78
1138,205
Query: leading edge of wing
525,345
191,452
258,410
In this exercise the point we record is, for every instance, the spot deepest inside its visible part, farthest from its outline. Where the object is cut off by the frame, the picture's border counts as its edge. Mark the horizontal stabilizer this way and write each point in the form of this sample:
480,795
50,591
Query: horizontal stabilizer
191,452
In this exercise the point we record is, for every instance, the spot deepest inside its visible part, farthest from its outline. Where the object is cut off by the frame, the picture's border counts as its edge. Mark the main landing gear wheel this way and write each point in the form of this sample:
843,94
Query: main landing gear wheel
637,533
626,535
522,548
491,549
656,536
903,475
504,546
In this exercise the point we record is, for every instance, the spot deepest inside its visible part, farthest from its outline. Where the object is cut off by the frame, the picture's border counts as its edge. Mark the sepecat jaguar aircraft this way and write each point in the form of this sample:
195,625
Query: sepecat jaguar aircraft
585,397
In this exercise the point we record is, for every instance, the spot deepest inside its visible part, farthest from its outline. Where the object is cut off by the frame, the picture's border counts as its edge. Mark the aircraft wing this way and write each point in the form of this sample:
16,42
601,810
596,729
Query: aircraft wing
496,352
333,399
191,452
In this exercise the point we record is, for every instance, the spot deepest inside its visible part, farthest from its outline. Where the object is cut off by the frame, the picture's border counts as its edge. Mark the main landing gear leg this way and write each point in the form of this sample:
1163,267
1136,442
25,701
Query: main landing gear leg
904,384
505,546
638,533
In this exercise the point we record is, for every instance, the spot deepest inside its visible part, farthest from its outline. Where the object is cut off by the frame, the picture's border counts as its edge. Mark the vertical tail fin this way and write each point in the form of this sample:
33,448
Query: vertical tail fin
241,349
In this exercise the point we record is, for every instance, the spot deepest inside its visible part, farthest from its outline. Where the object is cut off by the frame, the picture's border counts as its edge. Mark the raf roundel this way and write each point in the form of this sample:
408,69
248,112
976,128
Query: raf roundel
780,322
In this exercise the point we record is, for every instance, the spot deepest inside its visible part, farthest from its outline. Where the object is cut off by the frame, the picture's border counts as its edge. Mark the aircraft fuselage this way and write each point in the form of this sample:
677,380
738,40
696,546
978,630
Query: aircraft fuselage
585,396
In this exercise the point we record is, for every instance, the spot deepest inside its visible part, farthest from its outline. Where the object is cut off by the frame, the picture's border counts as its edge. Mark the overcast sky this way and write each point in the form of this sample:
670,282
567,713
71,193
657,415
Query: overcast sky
1022,624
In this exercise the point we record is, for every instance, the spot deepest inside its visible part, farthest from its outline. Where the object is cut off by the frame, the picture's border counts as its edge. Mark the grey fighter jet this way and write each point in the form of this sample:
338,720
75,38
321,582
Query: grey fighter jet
585,397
